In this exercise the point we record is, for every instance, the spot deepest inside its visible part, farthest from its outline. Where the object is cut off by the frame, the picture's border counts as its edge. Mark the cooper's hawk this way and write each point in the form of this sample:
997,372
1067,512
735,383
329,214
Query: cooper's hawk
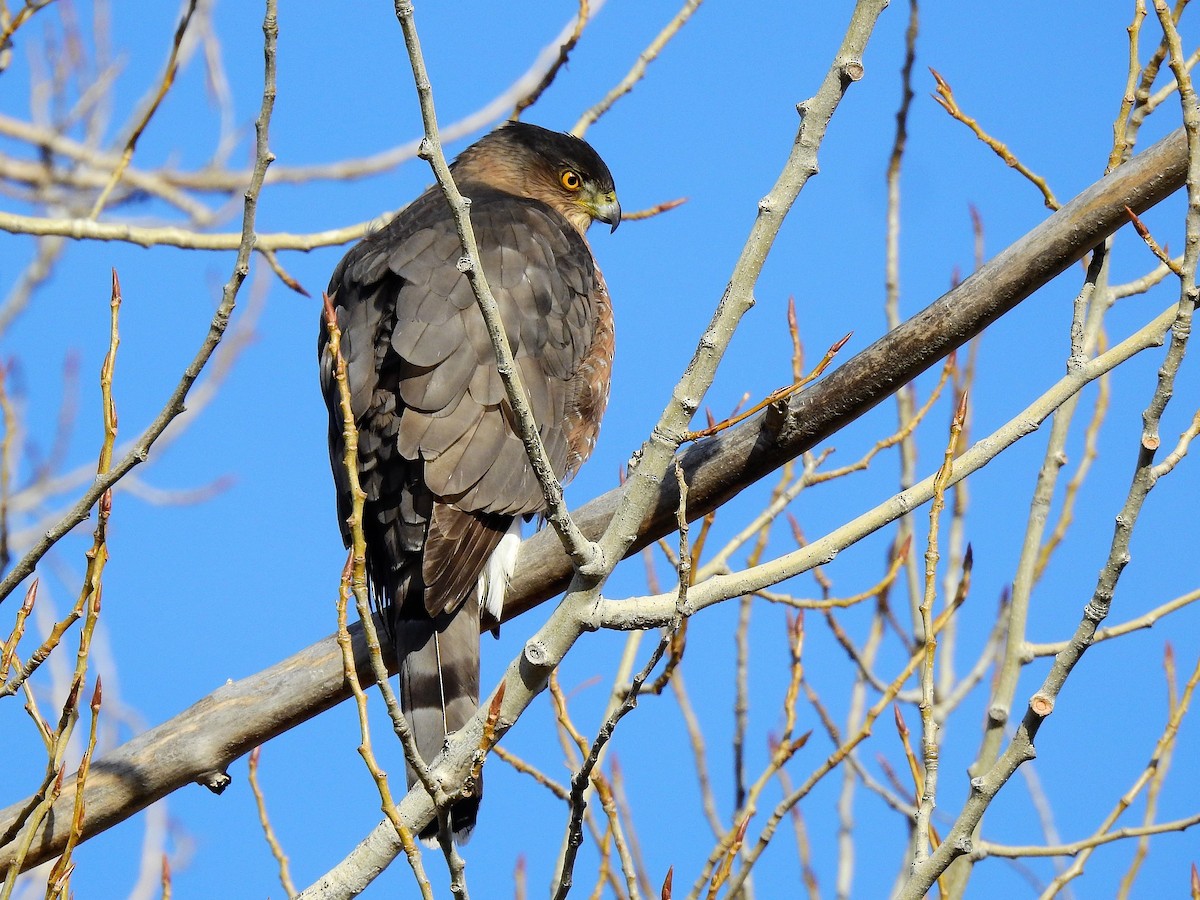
447,480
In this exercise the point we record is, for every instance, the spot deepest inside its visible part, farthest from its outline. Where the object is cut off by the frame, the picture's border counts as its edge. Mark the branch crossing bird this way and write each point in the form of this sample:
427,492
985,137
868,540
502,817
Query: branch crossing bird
446,477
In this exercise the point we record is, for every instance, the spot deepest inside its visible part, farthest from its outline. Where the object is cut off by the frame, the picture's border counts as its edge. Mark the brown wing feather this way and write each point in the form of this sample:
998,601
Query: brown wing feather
456,550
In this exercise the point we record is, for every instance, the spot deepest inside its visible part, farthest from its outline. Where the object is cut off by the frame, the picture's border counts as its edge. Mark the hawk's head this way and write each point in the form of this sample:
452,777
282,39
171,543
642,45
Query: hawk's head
560,170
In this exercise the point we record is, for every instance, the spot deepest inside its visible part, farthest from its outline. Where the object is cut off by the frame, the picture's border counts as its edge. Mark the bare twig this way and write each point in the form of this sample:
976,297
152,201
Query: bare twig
165,83
583,553
945,99
564,53
635,74
277,851
354,581
930,746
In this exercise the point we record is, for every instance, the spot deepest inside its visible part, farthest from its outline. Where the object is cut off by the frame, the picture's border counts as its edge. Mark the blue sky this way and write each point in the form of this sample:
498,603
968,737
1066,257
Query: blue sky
197,594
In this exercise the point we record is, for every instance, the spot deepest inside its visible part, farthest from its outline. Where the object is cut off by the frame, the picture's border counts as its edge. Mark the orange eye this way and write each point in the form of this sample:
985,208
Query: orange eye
570,180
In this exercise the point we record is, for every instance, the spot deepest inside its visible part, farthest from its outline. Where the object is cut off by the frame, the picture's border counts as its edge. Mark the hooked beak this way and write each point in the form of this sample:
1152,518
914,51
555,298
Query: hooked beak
607,209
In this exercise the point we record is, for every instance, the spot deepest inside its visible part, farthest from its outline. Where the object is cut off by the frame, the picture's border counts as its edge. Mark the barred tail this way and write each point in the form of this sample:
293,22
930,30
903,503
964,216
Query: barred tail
439,692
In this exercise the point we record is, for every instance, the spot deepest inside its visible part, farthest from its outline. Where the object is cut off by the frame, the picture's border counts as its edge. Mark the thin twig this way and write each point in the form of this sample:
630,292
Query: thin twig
945,99
354,581
584,554
165,83
564,53
581,778
635,74
930,745
260,802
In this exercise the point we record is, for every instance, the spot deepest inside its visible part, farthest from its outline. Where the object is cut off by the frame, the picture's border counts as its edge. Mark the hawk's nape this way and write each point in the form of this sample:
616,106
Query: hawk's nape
446,477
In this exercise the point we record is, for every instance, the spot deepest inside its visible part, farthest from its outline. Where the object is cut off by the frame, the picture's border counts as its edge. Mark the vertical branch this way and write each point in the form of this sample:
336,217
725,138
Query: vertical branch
854,719
906,396
741,702
1144,103
8,650
625,813
354,581
58,883
699,753
88,605
583,552
260,803
1158,777
1090,451
108,408
628,867
957,548
165,880
1053,459
9,422
1122,139
583,777
929,726
659,449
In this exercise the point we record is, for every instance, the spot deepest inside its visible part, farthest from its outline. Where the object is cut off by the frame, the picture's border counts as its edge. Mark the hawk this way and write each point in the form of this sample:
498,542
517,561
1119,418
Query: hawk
446,477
